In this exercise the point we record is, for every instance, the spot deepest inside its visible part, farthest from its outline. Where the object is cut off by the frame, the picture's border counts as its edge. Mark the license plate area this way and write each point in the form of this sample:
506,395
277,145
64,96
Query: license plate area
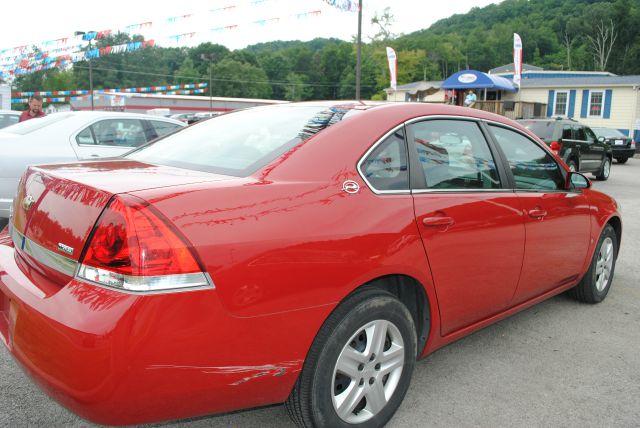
618,142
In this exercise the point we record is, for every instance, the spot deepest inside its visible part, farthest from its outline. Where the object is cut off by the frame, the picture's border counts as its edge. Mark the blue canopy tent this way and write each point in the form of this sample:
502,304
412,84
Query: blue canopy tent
473,79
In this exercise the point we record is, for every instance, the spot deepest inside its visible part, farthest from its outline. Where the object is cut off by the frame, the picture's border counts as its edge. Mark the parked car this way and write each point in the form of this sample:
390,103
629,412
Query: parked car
306,253
70,136
574,143
622,146
9,117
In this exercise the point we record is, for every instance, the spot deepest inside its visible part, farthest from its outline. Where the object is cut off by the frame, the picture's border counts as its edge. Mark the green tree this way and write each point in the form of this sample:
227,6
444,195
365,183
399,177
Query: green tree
240,80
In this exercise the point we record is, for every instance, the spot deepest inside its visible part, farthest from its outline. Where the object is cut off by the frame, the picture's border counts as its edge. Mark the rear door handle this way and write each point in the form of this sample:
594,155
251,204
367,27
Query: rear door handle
537,213
437,221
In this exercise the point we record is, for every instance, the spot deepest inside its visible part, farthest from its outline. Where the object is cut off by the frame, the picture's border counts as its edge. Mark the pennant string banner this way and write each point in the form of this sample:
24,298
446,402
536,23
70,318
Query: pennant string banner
64,51
106,95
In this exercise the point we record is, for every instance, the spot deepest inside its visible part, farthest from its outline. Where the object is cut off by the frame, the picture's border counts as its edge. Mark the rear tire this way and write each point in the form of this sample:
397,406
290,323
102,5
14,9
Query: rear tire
359,366
622,160
595,285
603,174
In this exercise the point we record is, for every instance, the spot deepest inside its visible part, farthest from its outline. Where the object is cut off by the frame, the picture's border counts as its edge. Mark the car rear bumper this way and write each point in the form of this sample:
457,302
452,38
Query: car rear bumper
116,358
623,152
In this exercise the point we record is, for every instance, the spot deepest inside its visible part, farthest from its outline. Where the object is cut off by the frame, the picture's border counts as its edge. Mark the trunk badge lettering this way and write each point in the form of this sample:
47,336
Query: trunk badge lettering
65,248
28,202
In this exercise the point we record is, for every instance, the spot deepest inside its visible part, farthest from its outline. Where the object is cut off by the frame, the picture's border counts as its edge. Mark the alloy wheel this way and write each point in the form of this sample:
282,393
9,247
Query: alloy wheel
604,264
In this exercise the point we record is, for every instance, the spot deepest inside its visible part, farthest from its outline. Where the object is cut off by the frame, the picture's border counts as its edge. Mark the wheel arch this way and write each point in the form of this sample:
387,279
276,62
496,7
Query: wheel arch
413,295
616,223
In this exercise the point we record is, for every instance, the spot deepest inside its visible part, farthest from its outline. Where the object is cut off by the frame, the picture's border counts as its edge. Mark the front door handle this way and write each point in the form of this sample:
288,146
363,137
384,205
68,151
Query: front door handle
537,213
437,221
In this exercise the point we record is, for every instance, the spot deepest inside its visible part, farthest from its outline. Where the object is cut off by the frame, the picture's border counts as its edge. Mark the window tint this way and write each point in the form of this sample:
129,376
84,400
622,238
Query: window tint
85,137
454,155
386,167
566,132
542,128
578,132
532,167
119,132
164,128
591,137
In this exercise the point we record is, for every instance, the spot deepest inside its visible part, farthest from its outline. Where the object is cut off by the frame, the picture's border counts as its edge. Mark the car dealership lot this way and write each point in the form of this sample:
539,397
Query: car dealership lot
558,363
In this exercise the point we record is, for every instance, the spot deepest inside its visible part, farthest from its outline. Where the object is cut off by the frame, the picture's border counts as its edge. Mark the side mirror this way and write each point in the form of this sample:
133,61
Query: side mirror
601,139
576,181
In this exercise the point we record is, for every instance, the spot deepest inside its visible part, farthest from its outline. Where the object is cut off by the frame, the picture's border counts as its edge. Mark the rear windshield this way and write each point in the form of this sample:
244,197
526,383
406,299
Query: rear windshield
543,129
608,133
241,142
32,125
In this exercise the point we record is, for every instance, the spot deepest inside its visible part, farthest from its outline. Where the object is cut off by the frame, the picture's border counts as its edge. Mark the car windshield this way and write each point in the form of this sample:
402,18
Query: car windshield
542,128
241,142
608,133
32,125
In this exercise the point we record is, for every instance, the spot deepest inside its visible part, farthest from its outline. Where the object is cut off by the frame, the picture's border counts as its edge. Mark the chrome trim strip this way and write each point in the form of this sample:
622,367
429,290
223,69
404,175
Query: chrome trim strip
419,191
368,152
49,258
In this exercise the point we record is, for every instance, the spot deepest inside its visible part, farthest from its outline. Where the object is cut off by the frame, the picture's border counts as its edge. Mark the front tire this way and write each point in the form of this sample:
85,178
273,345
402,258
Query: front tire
603,175
359,366
595,285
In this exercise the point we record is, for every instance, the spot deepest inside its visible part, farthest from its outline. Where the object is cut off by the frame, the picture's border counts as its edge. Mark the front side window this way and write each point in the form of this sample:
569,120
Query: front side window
118,132
454,155
532,167
595,103
561,103
385,169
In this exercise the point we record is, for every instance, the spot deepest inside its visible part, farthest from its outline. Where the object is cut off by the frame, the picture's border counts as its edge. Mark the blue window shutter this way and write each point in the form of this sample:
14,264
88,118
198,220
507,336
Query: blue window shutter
585,103
552,96
607,103
572,102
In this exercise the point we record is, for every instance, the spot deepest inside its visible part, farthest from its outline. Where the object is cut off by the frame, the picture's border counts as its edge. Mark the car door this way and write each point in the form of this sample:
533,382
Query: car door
108,138
557,220
597,149
590,155
471,226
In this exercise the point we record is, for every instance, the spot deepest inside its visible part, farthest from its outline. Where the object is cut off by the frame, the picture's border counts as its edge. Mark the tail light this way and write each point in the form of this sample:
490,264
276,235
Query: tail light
134,247
555,147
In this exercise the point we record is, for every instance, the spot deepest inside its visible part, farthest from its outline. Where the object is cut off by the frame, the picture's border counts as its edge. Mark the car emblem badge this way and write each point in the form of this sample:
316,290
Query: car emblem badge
350,186
65,248
28,202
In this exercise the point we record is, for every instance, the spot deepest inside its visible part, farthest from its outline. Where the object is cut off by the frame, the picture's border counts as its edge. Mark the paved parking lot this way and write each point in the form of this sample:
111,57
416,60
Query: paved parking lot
559,363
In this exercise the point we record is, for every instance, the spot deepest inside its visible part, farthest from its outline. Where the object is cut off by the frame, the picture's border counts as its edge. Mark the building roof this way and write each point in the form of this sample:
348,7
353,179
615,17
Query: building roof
579,82
415,87
508,68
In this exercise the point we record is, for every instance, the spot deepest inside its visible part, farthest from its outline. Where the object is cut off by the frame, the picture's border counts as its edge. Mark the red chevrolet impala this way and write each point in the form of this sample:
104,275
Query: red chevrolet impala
300,253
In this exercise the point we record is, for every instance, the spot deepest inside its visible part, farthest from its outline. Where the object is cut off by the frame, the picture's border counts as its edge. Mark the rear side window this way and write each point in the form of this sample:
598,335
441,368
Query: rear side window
542,128
566,133
164,128
532,167
385,169
454,155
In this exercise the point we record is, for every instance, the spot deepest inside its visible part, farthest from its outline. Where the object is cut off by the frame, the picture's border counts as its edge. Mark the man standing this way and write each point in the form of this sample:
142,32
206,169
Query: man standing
34,110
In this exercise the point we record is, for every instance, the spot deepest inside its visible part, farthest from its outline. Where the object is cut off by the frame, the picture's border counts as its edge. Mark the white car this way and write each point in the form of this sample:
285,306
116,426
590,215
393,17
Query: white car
9,117
69,136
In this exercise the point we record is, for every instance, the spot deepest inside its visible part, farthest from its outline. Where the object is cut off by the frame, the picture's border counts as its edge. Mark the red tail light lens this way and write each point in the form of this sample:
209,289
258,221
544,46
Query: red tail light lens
555,147
134,247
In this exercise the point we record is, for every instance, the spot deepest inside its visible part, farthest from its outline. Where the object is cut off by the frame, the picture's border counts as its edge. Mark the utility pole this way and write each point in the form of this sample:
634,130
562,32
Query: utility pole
209,57
359,50
82,33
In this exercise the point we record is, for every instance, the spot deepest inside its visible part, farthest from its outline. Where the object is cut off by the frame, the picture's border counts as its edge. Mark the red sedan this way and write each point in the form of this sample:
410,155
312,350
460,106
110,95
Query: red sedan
306,253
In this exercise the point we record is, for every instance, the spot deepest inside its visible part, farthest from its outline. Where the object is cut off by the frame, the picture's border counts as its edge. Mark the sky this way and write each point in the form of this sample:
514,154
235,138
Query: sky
232,23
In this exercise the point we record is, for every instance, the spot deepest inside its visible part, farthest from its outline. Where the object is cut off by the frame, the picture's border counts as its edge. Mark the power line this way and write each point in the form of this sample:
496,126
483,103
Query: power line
267,82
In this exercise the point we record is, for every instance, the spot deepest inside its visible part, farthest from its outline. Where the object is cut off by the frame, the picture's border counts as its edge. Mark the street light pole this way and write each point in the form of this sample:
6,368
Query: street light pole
359,51
209,57
82,33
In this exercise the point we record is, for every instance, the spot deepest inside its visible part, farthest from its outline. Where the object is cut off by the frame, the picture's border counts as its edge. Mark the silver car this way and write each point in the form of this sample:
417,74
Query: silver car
69,136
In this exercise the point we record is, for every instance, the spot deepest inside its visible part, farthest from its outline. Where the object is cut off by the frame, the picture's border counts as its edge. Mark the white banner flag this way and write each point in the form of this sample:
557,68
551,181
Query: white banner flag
517,59
393,66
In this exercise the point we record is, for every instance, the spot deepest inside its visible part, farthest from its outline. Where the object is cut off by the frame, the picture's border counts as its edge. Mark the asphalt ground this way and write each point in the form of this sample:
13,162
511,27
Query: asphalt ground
558,364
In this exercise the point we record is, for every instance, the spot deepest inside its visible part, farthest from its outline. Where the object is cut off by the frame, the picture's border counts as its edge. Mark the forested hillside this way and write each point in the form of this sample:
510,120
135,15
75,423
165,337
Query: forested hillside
556,34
